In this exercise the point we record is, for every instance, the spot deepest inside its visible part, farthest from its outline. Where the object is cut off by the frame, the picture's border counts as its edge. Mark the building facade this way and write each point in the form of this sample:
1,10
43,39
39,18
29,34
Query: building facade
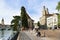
36,26
46,16
52,22
4,26
30,22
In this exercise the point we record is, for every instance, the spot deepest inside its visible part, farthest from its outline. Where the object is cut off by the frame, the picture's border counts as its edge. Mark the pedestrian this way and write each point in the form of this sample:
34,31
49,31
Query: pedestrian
38,34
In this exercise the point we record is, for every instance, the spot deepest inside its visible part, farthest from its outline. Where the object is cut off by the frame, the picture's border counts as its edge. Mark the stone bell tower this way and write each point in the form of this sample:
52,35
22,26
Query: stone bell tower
44,11
2,21
43,19
47,12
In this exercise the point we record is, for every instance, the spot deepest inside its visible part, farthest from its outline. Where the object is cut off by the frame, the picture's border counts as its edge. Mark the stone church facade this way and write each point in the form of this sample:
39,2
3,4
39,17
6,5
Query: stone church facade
45,16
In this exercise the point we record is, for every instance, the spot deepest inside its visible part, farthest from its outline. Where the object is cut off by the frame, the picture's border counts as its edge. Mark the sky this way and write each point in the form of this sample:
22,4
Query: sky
10,8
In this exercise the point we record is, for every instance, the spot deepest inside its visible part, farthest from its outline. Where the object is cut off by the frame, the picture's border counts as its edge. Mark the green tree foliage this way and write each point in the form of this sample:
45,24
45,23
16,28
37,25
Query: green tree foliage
38,24
59,20
15,22
24,18
58,6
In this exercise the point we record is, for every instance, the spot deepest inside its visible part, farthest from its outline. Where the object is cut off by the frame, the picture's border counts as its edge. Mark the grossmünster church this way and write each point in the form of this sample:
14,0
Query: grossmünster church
48,20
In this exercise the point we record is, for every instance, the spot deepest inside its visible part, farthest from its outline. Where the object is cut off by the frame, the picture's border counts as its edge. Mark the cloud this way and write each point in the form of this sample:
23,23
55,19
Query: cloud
9,8
7,12
50,4
35,7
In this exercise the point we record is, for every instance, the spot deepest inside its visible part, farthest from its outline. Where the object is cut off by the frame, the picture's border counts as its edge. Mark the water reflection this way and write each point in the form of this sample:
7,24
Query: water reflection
5,34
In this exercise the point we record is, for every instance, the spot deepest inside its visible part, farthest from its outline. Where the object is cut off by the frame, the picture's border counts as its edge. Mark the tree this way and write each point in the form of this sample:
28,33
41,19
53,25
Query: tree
58,6
15,22
24,18
59,20
38,24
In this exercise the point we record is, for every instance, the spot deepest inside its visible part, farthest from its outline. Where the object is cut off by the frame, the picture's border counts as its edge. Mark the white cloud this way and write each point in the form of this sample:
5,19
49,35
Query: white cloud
36,6
35,9
7,12
51,5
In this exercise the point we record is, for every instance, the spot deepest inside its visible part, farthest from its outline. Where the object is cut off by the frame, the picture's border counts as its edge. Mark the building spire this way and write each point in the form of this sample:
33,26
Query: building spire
47,12
43,7
44,10
2,21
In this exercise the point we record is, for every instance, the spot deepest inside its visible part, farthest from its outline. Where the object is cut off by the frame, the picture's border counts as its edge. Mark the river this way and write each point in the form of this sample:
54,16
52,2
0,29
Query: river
6,34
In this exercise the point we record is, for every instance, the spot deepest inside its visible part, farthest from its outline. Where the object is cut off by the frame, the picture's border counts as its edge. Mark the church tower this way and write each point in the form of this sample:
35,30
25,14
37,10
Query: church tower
2,21
44,11
47,12
43,19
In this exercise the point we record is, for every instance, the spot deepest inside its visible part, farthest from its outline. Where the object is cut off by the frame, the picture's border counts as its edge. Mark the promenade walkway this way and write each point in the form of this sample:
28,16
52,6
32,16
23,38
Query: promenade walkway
30,35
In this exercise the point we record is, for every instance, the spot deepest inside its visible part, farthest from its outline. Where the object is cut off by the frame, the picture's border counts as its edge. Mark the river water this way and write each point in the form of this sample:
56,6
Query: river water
6,34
